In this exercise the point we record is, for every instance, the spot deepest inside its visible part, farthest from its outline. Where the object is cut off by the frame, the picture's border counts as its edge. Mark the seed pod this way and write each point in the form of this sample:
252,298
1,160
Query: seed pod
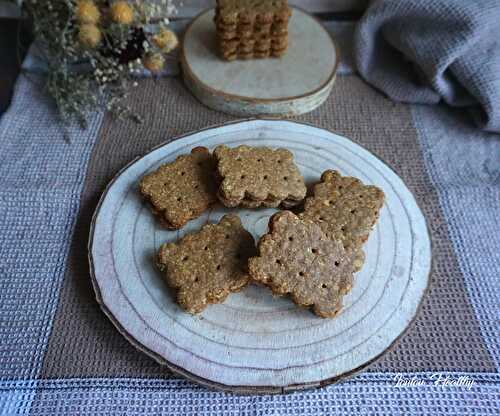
154,62
89,35
121,12
166,40
87,12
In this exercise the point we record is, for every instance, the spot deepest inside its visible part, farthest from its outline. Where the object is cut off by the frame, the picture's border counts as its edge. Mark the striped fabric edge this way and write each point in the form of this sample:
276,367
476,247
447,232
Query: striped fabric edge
428,378
369,393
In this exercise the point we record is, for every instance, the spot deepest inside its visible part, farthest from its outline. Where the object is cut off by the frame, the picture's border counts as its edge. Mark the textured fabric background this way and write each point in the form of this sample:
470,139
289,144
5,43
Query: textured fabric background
59,355
424,51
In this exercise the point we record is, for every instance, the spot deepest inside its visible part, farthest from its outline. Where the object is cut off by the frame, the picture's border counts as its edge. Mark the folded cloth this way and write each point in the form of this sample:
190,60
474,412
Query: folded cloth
424,51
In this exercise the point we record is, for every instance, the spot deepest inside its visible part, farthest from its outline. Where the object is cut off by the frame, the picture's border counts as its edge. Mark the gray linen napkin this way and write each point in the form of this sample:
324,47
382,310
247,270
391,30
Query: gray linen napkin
424,51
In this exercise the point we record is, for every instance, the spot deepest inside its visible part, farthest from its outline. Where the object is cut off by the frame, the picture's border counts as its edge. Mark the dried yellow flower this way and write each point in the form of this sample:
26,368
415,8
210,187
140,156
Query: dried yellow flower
154,62
89,35
166,40
87,12
121,12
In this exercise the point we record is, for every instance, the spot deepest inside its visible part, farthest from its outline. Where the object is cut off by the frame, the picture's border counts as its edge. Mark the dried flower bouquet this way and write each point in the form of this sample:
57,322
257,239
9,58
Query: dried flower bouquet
115,39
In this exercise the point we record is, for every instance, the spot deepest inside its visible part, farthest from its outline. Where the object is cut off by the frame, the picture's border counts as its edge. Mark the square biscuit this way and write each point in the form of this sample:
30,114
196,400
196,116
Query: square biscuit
181,190
249,32
249,203
259,176
297,259
206,266
260,23
252,11
345,209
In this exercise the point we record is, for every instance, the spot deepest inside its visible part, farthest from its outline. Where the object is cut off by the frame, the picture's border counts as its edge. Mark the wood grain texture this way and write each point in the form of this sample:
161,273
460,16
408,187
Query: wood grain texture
295,84
253,342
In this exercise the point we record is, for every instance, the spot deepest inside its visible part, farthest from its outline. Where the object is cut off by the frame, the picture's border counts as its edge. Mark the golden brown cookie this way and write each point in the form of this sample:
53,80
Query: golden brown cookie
251,52
243,49
262,32
258,175
244,54
252,204
252,11
229,56
279,27
264,23
227,36
278,53
255,31
225,28
248,29
181,190
261,54
263,45
251,49
205,267
297,259
345,209
279,43
237,45
230,45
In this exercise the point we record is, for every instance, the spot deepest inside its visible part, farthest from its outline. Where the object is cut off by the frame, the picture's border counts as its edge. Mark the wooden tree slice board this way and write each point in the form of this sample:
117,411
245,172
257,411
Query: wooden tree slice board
295,84
254,342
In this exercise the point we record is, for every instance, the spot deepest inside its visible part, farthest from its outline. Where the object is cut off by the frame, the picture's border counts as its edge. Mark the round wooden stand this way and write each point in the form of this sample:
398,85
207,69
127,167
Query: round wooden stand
254,342
295,84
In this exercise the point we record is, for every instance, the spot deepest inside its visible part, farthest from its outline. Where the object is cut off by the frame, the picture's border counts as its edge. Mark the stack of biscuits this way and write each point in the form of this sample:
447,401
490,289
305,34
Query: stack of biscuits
309,256
252,29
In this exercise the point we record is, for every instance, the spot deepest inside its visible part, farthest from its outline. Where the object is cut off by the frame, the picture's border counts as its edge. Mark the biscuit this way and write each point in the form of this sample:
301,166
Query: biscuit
345,209
278,53
264,23
181,190
297,259
267,27
264,46
249,31
258,174
242,51
261,54
227,36
247,53
252,32
249,203
205,267
278,28
229,56
279,43
230,45
252,11
238,45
